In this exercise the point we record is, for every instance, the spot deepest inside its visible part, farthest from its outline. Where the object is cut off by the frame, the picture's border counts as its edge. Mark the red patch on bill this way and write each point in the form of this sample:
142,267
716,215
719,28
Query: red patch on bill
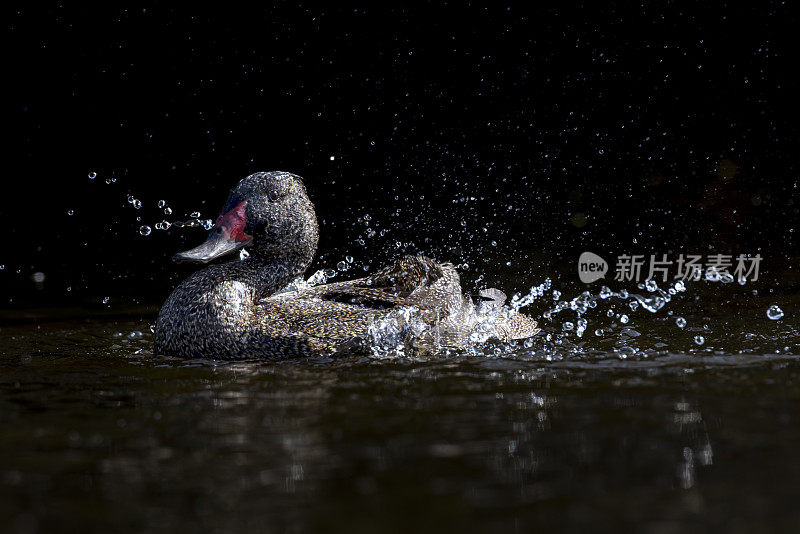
234,222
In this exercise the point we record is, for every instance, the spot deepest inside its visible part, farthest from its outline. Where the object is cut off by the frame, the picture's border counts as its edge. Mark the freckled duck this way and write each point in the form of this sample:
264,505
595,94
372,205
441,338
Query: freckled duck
235,310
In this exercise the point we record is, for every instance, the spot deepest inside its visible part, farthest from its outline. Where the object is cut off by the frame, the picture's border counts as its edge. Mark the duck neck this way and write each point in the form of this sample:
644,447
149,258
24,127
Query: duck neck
266,275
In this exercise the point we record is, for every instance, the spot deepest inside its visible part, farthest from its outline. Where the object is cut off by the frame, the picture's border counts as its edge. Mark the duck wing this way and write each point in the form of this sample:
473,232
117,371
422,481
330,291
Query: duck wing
340,314
411,281
407,275
331,316
352,292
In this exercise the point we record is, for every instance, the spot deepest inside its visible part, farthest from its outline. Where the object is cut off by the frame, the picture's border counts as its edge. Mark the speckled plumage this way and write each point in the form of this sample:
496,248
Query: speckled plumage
230,310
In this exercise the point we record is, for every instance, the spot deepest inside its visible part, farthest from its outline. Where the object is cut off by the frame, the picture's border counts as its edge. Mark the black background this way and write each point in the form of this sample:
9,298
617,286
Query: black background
668,126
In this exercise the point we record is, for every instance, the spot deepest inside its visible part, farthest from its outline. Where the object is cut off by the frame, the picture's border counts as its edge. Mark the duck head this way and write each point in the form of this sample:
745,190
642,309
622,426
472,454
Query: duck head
270,213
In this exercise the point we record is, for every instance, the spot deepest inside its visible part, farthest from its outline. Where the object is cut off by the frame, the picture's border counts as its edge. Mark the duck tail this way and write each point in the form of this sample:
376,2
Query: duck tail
518,327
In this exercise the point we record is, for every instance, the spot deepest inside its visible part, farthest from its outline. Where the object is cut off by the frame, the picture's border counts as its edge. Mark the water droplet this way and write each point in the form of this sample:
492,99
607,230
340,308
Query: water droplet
243,254
774,312
92,175
162,203
598,332
651,304
167,211
651,285
106,300
341,266
699,340
137,203
208,224
680,321
349,259
38,277
581,326
144,230
70,212
317,278
195,215
329,273
623,319
568,326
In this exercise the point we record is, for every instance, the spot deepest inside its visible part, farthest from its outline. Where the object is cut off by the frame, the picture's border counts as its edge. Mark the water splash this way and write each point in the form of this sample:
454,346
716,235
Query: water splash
299,284
388,336
563,338
194,220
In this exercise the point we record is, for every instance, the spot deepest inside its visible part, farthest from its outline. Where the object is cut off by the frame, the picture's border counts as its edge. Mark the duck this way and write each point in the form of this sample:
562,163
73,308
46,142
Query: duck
250,306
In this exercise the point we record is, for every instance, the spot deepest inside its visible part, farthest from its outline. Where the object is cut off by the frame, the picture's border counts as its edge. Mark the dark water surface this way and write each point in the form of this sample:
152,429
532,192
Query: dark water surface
100,435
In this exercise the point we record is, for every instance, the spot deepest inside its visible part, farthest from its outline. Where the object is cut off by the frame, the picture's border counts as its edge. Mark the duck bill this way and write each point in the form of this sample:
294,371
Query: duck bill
227,236
214,247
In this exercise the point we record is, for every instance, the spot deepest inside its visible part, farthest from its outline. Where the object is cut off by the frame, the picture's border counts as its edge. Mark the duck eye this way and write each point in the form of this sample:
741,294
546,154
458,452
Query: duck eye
272,195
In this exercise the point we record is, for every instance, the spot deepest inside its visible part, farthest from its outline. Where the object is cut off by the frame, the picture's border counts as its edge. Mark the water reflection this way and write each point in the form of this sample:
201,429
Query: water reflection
690,425
98,431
